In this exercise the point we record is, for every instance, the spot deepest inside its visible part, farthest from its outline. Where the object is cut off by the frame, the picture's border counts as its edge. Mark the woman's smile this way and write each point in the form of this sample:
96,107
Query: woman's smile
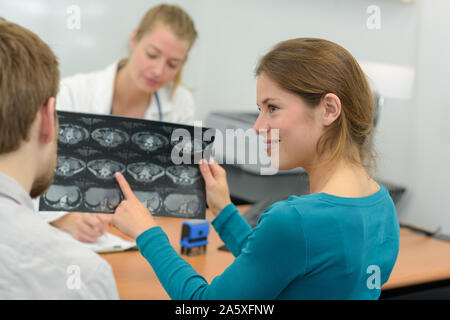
270,144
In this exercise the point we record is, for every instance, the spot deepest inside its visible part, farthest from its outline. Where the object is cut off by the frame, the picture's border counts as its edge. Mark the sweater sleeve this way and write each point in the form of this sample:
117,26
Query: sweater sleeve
232,228
273,255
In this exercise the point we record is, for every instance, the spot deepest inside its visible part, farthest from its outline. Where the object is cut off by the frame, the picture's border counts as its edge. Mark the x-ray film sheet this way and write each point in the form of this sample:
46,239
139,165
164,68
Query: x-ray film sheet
160,166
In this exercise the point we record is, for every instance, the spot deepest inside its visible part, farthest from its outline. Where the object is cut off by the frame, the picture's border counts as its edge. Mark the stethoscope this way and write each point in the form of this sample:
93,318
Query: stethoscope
158,104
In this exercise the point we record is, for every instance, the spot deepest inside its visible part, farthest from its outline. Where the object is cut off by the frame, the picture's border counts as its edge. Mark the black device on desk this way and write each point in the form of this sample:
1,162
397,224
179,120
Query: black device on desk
254,213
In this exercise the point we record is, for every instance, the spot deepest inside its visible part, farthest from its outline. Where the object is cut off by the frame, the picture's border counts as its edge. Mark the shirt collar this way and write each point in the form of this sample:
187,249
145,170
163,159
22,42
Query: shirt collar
13,190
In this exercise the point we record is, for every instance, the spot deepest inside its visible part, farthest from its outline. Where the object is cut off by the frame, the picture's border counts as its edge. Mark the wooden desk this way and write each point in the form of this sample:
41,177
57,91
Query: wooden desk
421,259
135,277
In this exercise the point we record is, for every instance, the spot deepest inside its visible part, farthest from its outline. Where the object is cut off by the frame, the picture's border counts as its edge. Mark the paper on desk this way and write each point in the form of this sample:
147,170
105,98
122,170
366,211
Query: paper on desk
110,243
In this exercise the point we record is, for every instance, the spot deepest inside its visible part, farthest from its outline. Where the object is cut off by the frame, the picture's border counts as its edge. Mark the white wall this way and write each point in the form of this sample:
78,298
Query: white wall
103,34
232,36
237,35
429,150
411,140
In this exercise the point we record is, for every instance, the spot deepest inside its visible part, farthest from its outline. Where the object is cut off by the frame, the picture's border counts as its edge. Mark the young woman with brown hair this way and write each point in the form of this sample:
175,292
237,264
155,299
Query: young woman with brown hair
340,241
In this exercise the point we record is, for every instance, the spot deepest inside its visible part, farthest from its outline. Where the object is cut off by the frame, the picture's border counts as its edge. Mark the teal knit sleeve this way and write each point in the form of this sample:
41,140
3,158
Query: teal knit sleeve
273,254
232,228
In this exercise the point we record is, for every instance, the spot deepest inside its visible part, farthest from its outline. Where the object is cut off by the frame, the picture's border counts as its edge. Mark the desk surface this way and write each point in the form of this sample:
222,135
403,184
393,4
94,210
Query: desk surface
135,277
421,259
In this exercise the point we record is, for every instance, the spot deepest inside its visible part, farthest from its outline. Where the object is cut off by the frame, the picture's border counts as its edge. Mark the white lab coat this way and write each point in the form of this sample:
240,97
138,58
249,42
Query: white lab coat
93,93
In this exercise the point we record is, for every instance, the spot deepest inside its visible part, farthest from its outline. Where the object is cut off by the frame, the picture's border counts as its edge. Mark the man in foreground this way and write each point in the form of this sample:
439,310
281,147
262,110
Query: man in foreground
37,261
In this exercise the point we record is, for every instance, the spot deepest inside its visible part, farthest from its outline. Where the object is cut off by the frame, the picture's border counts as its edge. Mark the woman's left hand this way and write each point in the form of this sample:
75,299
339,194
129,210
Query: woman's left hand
131,216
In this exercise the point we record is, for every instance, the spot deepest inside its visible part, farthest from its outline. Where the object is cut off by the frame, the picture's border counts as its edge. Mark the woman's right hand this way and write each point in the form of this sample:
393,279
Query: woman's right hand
84,227
217,193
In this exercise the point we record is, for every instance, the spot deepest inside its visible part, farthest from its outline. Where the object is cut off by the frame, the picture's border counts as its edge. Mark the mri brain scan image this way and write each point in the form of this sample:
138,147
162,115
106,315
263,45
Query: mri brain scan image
189,147
183,175
72,134
93,147
109,137
149,141
69,166
145,172
151,200
63,197
185,205
105,168
102,200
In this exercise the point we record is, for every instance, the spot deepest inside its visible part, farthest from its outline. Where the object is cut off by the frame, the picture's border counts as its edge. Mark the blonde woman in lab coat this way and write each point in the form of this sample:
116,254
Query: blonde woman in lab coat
146,85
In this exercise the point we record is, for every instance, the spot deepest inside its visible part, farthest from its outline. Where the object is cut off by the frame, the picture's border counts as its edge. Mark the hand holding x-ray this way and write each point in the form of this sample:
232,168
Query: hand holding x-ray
216,185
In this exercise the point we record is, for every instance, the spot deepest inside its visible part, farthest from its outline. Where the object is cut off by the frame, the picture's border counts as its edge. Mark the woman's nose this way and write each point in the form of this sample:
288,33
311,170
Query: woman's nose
260,126
158,68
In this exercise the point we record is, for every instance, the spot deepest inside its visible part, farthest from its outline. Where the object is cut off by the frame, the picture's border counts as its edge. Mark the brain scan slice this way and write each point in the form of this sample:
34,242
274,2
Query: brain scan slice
92,148
63,197
145,172
183,175
69,166
185,205
151,200
101,200
149,141
109,137
105,168
189,146
72,134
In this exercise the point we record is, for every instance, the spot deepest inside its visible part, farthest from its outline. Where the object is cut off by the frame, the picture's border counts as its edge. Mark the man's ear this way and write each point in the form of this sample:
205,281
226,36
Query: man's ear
47,129
331,109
